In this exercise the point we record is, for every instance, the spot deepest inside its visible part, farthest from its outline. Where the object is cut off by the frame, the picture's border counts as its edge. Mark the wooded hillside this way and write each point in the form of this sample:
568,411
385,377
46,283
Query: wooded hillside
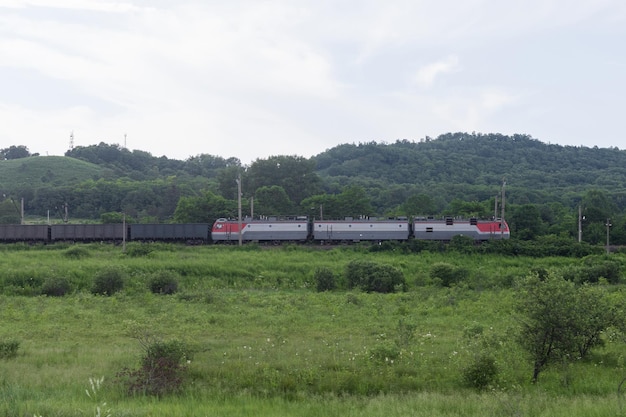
455,173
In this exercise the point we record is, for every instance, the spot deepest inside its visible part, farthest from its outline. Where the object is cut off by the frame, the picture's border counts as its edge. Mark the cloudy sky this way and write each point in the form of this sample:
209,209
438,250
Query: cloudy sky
255,78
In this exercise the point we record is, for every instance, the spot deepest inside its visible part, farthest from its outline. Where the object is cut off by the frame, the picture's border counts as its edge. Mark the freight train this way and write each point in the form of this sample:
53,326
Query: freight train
266,230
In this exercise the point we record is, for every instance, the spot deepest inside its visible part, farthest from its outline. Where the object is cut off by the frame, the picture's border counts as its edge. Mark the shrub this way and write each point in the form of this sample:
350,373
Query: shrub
596,267
372,277
324,279
76,252
447,274
108,281
592,270
481,372
9,348
55,287
137,250
385,352
462,244
164,282
161,371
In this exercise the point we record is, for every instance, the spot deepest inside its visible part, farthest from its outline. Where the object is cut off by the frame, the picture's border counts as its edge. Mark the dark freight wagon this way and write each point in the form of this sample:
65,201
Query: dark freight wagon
87,232
23,232
172,232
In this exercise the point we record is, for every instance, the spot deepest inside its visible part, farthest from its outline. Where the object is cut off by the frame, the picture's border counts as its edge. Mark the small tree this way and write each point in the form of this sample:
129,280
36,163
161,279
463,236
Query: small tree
447,274
108,281
164,282
14,152
372,277
325,279
548,320
55,286
596,313
481,372
162,369
559,320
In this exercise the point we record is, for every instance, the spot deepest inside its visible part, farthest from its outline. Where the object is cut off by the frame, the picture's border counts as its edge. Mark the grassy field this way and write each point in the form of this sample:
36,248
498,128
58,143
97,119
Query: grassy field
264,342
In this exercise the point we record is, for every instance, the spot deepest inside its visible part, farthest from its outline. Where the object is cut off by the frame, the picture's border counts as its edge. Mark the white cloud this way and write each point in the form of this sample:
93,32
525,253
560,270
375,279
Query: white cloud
93,5
250,79
425,76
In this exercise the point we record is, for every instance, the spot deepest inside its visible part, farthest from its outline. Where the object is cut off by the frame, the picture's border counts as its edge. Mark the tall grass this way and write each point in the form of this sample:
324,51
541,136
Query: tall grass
265,342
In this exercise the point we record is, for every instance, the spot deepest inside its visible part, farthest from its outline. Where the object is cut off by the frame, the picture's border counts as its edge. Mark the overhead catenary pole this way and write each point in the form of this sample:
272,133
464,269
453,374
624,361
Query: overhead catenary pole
580,223
495,208
502,214
124,232
239,208
608,226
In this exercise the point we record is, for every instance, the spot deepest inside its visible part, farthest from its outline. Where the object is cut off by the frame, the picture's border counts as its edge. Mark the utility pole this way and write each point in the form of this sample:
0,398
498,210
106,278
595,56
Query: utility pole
502,215
238,180
580,223
124,232
495,208
608,226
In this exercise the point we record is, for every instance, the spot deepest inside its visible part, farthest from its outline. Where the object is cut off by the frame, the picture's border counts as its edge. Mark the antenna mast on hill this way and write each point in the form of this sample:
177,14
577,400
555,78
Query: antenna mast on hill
125,141
72,140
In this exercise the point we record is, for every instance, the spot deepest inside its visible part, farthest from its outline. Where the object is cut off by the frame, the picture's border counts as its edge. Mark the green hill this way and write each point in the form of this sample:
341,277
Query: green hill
461,158
45,171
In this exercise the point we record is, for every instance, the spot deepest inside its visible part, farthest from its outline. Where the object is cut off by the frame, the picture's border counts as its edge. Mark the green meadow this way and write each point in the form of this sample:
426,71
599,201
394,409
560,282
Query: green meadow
262,341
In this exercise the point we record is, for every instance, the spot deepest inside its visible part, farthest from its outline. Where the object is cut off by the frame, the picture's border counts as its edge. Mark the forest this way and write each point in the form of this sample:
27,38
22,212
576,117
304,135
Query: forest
548,187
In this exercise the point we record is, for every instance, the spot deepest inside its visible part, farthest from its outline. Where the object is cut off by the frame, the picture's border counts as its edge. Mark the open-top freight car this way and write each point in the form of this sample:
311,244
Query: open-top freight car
181,232
24,233
87,232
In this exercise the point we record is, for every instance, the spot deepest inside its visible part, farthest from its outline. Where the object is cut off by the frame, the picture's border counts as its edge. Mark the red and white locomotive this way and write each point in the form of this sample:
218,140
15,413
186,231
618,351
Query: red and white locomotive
445,229
356,230
261,230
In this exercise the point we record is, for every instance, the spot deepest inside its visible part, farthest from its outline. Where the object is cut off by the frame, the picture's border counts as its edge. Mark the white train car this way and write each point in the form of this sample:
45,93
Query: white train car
446,229
260,230
360,230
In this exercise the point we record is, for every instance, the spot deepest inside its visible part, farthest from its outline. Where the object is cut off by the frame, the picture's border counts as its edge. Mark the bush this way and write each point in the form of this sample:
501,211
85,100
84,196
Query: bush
8,349
138,250
597,267
481,373
324,279
372,277
108,281
55,287
162,369
164,282
593,269
447,274
76,252
462,244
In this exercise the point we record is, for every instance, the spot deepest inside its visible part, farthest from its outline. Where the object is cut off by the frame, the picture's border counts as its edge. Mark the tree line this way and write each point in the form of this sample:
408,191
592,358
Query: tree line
454,174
